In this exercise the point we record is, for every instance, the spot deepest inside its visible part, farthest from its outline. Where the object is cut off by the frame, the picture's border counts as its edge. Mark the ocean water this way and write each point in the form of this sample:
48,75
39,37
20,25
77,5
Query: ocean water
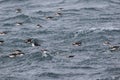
92,22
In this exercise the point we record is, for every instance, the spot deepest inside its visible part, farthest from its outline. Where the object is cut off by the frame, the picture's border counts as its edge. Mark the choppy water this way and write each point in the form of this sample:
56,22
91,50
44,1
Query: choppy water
90,21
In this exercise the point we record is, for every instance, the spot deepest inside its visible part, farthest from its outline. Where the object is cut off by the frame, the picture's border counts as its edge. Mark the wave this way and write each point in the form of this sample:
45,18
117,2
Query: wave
22,16
58,75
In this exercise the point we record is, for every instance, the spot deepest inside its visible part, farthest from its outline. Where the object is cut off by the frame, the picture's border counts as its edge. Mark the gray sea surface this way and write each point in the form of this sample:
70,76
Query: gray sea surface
91,22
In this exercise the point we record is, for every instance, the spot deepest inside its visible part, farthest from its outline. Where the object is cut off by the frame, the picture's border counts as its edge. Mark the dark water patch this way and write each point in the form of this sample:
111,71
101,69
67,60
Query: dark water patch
79,67
22,17
71,10
11,1
115,2
12,78
45,13
97,73
115,70
56,75
109,78
92,61
8,24
91,9
37,19
110,14
102,20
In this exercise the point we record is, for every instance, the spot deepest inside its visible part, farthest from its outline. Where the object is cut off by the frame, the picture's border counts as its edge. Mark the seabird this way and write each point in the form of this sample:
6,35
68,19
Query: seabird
16,53
77,43
19,23
39,26
106,43
49,17
35,44
3,33
28,40
58,14
32,42
1,42
71,56
114,48
18,10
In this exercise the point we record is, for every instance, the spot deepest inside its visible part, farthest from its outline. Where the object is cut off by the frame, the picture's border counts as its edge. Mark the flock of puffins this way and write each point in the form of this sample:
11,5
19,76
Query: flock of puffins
33,43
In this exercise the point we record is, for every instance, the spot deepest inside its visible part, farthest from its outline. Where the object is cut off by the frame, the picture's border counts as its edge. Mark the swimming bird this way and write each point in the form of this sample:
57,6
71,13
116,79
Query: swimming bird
58,14
32,42
28,40
39,26
114,48
19,23
1,41
77,43
71,56
35,44
107,43
3,33
16,53
18,10
49,17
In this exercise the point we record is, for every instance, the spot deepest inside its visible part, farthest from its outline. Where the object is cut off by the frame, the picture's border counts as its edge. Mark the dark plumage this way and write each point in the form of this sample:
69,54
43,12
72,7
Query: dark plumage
77,43
18,10
35,44
3,33
19,23
114,48
16,53
39,26
1,41
28,40
71,56
49,17
58,14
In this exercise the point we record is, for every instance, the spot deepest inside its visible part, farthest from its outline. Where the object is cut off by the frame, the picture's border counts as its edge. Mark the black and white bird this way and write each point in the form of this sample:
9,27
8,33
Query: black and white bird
3,33
19,23
78,43
114,48
1,41
35,44
28,40
49,17
32,42
38,26
16,53
18,10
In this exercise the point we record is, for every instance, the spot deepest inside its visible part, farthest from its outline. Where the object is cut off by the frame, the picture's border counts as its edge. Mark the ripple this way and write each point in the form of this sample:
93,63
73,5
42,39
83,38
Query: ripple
57,75
90,22
22,16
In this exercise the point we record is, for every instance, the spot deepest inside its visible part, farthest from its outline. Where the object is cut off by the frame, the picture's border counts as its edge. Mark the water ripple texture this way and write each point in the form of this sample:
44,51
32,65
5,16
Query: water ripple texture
59,39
